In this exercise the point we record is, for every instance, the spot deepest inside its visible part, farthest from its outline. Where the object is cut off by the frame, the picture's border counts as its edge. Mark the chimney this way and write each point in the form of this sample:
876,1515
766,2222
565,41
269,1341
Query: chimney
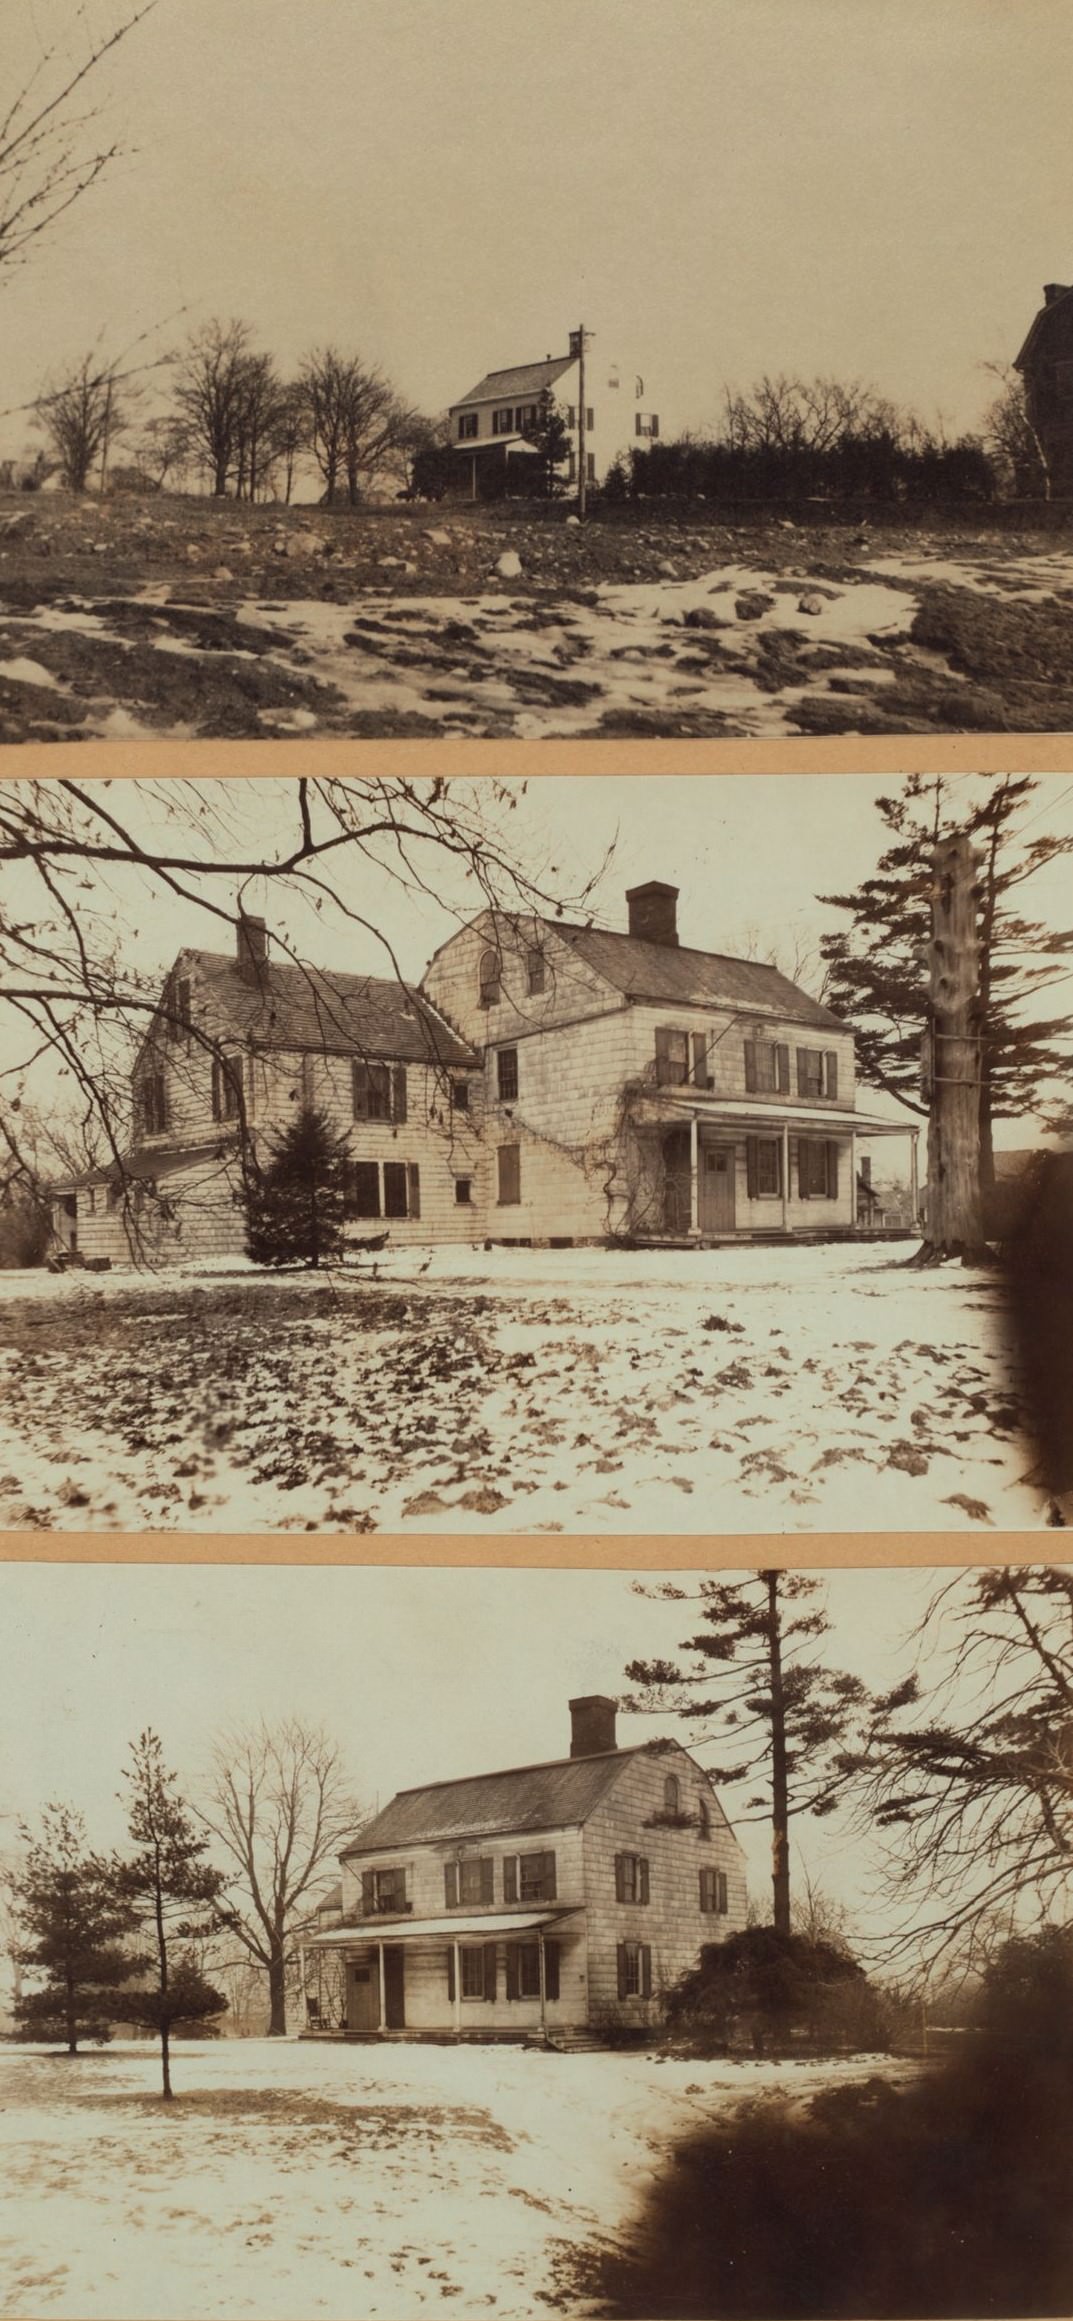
592,1725
653,912
251,947
1053,291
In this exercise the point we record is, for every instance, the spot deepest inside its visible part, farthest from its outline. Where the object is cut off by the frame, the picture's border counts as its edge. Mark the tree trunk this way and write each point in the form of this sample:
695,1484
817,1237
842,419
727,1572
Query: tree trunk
165,2061
277,1994
780,1801
72,2018
955,1222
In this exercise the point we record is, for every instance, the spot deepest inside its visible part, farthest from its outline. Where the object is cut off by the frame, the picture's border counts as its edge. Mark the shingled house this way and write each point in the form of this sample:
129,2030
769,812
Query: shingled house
541,1902
1045,363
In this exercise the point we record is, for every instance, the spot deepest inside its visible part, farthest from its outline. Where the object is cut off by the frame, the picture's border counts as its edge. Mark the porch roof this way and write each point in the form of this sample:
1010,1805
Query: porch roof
453,1927
665,1103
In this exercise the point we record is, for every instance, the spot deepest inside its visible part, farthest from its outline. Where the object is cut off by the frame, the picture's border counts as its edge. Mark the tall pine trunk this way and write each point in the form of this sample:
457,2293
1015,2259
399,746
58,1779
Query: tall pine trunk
165,2061
780,1798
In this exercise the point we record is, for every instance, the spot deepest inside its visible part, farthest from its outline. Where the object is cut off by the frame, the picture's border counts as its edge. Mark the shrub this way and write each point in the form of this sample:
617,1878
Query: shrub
774,1992
295,1209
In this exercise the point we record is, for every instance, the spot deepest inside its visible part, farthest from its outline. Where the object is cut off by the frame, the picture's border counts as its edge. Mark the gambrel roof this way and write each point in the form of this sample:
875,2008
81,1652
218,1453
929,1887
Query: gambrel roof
558,1795
525,379
669,972
283,1005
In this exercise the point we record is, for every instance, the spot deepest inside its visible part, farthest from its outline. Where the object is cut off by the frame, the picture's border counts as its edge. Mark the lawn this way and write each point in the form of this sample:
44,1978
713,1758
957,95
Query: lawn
354,2182
458,1390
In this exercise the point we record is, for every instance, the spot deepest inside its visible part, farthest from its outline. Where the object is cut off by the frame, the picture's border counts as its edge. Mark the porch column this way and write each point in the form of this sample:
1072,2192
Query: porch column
853,1179
381,1979
543,1981
458,1988
302,1983
694,1201
785,1177
914,1185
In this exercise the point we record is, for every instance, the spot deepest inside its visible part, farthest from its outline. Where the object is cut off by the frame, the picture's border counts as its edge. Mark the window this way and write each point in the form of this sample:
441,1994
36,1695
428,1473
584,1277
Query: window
363,1189
152,1109
817,1072
478,1962
468,1881
713,1892
92,1199
178,1006
702,1077
763,1167
704,1819
460,1095
379,1091
631,1878
491,979
382,1892
817,1169
523,1970
395,1189
590,415
767,1067
463,1192
571,414
468,425
526,415
670,1793
507,1075
509,1166
672,1058
535,971
503,421
226,1087
634,1970
529,1877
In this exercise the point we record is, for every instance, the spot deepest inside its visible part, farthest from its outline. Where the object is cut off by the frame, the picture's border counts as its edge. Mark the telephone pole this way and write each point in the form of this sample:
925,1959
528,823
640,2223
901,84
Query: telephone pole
952,1061
577,346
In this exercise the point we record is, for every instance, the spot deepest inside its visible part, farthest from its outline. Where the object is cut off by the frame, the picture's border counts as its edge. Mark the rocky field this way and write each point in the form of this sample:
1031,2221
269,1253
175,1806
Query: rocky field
163,617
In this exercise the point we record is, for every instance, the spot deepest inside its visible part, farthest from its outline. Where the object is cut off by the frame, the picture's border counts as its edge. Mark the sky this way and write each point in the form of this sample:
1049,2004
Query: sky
419,1674
716,188
749,853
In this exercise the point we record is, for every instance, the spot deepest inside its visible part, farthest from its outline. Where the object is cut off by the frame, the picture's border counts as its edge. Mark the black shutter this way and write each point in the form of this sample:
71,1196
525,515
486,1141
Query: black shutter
489,1970
782,1068
512,1970
721,1901
620,1953
705,1877
551,1970
510,1879
394,1189
750,1067
359,1089
450,1884
700,1060
364,1189
832,1170
644,1879
398,1092
832,1073
367,1891
487,1889
451,1972
413,1188
750,1167
646,1970
620,1877
664,1036
802,1169
217,1107
548,1877
802,1070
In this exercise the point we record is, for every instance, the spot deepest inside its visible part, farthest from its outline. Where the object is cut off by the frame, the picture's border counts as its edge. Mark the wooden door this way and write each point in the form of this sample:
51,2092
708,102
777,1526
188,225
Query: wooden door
363,1994
715,1193
395,1987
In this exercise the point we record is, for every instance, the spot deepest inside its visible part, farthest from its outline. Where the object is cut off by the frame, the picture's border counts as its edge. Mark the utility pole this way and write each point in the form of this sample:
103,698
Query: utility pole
577,345
952,1061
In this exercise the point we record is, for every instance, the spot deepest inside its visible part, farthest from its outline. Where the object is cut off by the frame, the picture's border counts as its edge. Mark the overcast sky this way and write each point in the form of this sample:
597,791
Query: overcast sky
418,1674
716,187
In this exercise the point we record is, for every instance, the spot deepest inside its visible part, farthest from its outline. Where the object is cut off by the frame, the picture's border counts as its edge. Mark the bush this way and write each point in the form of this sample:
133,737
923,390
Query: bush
774,1993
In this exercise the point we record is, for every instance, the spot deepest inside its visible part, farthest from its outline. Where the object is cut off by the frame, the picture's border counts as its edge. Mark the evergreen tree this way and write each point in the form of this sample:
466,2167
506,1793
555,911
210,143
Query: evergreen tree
172,1885
551,437
877,974
295,1208
66,1900
751,1676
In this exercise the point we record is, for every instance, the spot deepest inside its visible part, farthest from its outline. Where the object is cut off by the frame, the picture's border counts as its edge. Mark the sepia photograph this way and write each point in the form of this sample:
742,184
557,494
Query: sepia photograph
374,1941
553,371
653,1155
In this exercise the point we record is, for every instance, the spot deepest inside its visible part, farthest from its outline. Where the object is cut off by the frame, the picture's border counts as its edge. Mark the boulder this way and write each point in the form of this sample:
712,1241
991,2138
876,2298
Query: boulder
509,565
811,602
753,604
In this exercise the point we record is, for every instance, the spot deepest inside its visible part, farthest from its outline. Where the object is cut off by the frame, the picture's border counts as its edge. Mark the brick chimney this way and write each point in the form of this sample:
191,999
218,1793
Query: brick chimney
592,1725
1053,291
251,947
653,912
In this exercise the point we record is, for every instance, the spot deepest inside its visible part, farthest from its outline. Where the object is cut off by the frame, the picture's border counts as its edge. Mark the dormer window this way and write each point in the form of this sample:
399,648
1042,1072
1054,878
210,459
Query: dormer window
151,1104
226,1087
491,979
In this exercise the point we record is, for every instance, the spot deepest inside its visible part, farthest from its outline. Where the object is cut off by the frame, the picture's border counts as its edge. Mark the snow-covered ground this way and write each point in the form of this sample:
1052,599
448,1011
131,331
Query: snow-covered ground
460,1390
354,2182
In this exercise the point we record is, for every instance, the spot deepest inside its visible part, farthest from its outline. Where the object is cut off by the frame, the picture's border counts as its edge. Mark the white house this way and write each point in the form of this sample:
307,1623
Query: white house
489,425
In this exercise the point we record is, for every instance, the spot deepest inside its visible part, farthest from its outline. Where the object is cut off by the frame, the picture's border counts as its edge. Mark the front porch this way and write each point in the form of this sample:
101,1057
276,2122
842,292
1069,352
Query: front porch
710,1172
510,1975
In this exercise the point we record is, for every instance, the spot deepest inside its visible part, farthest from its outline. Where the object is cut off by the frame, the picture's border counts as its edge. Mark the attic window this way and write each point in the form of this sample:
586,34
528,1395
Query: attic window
226,1087
670,1793
152,1106
536,973
491,979
178,1006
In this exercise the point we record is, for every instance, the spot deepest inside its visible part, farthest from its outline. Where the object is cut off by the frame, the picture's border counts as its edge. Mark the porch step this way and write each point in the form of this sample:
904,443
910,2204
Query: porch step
573,2042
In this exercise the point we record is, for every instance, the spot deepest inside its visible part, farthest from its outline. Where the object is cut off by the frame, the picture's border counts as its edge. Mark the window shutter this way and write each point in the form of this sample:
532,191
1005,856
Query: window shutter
722,1903
510,1879
551,1970
359,1091
487,1889
644,1879
750,1067
395,1189
620,1877
451,1973
832,1073
700,1060
705,1877
620,1952
217,1110
489,1970
450,1884
367,1891
664,1036
413,1188
832,1170
549,1877
782,1068
646,1970
802,1169
802,1082
512,1970
750,1167
398,1092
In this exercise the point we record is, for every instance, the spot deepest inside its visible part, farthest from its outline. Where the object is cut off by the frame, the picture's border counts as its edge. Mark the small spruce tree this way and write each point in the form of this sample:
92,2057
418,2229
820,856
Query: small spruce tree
551,438
175,1889
296,1206
68,1904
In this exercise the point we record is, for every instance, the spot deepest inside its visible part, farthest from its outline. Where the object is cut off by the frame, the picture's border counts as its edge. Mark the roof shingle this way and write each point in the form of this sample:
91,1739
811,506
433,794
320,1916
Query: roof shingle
531,1797
287,1006
665,971
521,379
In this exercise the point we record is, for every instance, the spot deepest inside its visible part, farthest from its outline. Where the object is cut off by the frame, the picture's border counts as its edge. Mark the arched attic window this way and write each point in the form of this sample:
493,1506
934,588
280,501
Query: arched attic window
670,1793
704,1819
491,978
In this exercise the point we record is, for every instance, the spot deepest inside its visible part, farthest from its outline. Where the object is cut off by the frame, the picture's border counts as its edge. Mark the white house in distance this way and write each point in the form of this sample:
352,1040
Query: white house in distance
548,1083
541,1903
489,425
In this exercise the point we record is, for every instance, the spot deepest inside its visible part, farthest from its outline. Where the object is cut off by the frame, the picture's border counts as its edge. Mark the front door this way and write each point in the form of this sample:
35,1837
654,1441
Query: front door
363,1994
395,1987
715,1193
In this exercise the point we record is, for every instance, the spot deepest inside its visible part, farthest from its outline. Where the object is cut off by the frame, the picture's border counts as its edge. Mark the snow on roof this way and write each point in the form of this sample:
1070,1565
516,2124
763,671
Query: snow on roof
284,1005
667,971
521,379
559,1794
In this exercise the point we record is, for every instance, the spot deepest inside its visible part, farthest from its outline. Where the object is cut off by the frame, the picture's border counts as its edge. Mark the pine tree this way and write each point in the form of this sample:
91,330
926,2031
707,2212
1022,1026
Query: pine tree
173,1887
551,437
877,968
751,1676
67,1902
295,1209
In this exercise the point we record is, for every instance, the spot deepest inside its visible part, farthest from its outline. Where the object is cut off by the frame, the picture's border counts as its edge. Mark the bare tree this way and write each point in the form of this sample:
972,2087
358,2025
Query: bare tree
51,150
280,1805
82,415
212,391
260,414
1012,441
790,414
356,420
